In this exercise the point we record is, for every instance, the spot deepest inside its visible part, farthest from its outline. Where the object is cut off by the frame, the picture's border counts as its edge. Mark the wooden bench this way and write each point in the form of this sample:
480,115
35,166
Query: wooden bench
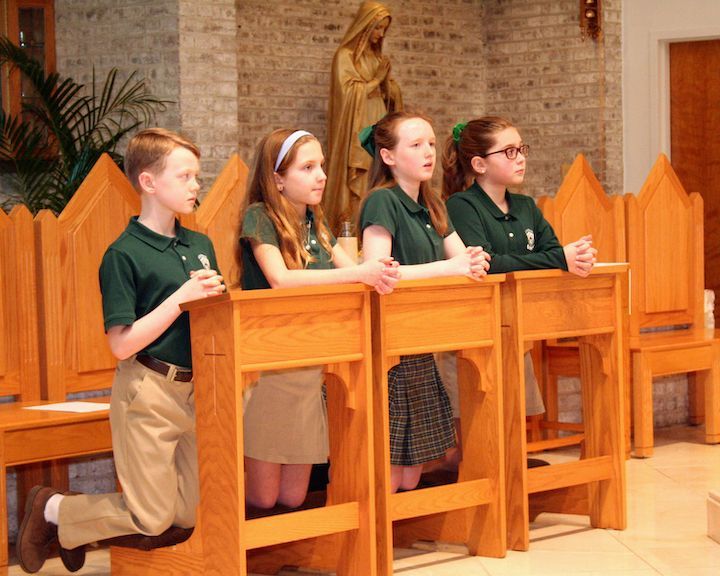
665,250
580,207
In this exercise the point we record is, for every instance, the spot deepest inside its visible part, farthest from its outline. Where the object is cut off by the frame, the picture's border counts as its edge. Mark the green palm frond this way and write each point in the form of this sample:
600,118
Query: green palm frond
51,147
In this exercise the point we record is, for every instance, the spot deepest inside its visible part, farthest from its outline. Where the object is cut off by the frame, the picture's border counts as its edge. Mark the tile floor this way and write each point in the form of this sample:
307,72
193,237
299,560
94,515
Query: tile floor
666,534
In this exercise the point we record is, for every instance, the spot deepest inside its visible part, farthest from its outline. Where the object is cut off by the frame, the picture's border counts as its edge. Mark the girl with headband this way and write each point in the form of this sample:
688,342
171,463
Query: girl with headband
481,160
404,219
285,242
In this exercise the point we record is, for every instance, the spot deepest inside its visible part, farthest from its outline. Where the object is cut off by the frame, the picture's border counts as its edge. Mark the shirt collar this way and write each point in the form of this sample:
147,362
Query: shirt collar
409,203
490,205
157,241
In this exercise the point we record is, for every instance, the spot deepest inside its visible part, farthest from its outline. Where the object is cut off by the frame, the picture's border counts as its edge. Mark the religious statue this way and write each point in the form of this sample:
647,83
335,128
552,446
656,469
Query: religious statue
361,93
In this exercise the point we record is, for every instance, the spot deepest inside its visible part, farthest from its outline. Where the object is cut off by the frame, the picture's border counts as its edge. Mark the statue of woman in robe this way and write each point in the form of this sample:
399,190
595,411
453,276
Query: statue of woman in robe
361,93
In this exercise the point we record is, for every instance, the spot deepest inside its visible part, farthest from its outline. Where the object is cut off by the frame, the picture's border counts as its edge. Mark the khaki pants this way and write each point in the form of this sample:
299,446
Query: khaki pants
153,435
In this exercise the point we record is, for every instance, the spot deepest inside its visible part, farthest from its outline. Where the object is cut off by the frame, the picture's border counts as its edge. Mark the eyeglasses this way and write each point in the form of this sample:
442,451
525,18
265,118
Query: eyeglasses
512,152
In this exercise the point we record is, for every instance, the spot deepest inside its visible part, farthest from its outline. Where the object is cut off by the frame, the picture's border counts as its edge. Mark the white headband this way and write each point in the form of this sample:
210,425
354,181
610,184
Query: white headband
287,144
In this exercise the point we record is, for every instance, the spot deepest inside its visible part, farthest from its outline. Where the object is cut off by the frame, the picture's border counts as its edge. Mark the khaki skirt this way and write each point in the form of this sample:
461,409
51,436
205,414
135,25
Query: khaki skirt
285,417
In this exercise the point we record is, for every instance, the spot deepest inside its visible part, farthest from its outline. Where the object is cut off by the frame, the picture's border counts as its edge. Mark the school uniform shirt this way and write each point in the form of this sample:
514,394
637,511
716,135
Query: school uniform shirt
415,240
140,270
258,226
520,240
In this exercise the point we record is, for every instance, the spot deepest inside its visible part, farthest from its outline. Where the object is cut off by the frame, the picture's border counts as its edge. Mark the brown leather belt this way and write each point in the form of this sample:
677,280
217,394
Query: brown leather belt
162,368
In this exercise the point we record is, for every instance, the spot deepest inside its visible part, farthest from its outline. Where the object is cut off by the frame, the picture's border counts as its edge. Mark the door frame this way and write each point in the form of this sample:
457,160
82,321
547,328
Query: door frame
659,71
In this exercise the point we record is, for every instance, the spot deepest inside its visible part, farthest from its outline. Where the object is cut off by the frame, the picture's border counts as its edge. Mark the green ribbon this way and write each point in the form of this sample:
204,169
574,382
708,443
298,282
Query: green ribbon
457,130
367,139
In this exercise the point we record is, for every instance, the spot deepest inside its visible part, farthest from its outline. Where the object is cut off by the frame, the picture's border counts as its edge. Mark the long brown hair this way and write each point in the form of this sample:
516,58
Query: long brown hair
263,188
476,139
381,175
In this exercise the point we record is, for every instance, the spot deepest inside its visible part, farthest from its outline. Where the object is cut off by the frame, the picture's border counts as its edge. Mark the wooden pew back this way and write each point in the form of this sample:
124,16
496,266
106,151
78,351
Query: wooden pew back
74,351
19,362
581,207
665,248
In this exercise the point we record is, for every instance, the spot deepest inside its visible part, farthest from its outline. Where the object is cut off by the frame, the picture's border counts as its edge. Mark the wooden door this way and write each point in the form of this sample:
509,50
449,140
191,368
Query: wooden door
695,138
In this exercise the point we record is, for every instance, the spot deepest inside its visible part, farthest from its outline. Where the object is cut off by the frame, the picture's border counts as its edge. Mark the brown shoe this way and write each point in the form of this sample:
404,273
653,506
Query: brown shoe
73,559
172,536
35,534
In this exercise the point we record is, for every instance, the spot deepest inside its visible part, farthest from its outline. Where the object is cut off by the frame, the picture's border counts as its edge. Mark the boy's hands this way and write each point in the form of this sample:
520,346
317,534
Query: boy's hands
202,283
382,274
580,256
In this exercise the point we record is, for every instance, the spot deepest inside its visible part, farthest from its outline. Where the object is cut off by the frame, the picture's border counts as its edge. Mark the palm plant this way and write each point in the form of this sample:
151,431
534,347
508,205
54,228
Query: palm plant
49,148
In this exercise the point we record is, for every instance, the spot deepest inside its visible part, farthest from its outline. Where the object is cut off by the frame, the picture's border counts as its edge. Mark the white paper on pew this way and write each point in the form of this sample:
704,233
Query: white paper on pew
75,406
601,264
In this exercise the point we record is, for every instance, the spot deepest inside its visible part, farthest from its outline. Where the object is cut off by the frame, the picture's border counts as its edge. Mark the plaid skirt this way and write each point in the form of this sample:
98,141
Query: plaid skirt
421,421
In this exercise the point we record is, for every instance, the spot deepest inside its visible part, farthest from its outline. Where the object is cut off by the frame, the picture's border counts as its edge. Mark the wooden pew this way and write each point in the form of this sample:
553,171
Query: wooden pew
435,316
234,337
665,249
73,356
580,207
547,304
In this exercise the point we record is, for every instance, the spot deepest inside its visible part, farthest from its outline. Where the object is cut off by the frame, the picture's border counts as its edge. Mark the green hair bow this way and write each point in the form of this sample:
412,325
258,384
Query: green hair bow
367,139
457,130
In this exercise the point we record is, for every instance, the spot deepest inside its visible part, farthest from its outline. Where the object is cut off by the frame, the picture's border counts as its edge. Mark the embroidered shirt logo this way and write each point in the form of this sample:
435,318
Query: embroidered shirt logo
205,261
530,238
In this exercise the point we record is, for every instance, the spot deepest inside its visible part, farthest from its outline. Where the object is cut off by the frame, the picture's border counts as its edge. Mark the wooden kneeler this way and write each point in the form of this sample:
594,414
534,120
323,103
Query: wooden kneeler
545,304
234,337
435,316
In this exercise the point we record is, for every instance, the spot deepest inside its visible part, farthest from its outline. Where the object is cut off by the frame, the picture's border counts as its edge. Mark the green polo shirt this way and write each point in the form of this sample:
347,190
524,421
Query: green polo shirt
258,226
415,240
140,270
520,240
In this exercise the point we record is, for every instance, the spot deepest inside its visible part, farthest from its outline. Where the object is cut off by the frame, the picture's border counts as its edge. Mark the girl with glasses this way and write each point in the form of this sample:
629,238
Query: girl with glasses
481,160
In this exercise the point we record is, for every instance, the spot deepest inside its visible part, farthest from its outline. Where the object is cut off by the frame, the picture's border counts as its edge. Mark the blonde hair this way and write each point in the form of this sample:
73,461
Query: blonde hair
476,139
263,188
381,175
148,151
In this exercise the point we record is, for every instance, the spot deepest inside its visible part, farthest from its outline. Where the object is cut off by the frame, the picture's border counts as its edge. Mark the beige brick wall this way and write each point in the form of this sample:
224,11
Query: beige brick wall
130,35
208,80
670,400
564,93
185,50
